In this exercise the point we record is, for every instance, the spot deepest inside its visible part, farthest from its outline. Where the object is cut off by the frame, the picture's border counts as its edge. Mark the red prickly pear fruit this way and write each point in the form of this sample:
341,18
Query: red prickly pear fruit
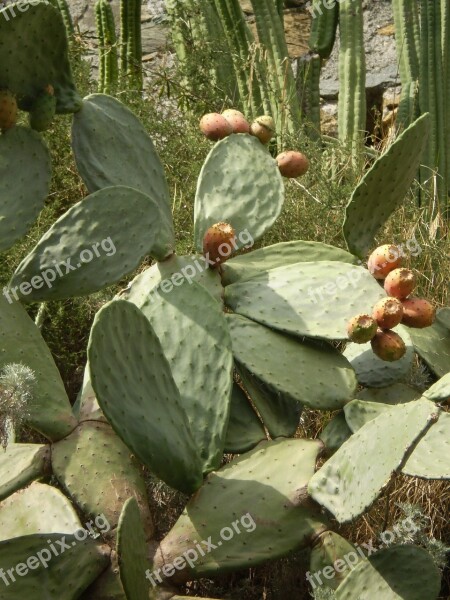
215,127
388,313
383,260
292,164
219,242
263,128
361,329
236,119
400,283
388,346
8,110
418,313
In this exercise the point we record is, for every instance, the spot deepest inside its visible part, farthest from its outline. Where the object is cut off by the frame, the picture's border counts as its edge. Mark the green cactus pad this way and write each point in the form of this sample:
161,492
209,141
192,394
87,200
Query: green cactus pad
50,412
336,432
245,430
239,166
314,299
195,339
331,550
66,575
351,480
112,147
279,412
267,487
439,391
359,412
120,219
27,68
246,266
25,172
39,508
132,552
384,187
373,372
96,468
106,587
394,573
443,317
397,393
137,393
88,407
317,376
20,464
431,456
42,112
432,344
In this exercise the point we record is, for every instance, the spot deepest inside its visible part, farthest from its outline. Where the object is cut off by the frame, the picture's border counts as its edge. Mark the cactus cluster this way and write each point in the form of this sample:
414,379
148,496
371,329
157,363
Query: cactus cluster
191,361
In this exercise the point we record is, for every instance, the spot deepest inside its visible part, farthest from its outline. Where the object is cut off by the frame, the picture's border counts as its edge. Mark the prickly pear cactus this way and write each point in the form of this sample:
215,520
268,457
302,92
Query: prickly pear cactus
194,359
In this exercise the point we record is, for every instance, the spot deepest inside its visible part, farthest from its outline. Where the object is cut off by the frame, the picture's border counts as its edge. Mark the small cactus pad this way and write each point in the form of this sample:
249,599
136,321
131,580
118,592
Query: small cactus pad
331,550
112,147
443,317
231,510
360,412
398,572
95,243
132,552
21,342
238,167
195,339
40,59
432,344
317,376
61,577
25,172
136,391
246,266
431,456
107,586
279,412
20,464
97,470
351,480
39,508
397,393
373,372
439,391
245,430
87,408
314,299
384,186
336,432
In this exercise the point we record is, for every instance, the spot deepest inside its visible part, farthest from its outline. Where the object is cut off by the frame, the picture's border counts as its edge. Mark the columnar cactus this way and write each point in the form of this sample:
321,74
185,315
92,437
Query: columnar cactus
108,59
161,389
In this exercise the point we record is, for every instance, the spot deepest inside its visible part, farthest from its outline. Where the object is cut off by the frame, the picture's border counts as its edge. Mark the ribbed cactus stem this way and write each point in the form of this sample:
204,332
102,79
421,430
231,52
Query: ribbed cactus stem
308,86
123,37
67,17
323,28
101,47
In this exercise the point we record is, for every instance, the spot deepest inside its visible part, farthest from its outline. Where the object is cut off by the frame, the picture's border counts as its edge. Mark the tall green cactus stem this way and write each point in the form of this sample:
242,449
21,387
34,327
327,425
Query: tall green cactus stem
108,60
352,78
445,34
67,17
323,28
131,43
308,88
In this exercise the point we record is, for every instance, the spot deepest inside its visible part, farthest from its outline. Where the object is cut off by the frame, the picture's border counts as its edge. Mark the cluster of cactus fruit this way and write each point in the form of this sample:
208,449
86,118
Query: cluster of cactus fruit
399,307
190,362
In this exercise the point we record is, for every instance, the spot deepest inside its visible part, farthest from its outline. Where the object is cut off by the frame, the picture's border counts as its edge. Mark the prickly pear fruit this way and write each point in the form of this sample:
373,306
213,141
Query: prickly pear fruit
292,164
388,313
43,110
236,119
263,128
388,345
383,260
361,329
215,127
8,110
400,283
418,312
219,242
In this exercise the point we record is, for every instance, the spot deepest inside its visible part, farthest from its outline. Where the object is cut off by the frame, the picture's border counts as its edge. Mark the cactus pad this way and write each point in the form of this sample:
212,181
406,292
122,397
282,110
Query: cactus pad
351,480
360,412
27,68
314,375
397,393
245,430
336,432
25,172
439,391
238,167
432,344
329,548
132,552
104,237
136,391
431,456
314,299
20,464
384,186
